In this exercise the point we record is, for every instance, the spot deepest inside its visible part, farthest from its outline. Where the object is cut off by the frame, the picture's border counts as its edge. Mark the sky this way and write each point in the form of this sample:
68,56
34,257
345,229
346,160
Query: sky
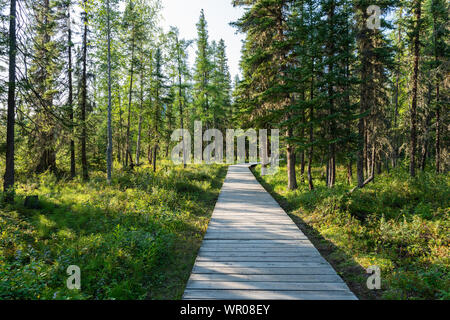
184,14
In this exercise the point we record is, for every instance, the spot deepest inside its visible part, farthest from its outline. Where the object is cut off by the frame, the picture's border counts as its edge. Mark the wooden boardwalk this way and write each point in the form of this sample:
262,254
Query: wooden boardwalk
253,250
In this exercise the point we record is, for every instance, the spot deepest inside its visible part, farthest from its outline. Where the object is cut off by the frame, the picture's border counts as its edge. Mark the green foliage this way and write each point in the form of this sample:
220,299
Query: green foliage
398,223
128,238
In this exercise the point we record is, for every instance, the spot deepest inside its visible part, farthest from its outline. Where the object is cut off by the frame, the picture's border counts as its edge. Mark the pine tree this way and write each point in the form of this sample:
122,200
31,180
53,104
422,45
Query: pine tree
266,60
221,87
43,73
202,74
181,73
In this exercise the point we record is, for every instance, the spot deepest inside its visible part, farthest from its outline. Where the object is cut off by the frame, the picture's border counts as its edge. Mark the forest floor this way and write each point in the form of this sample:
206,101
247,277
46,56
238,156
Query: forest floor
397,223
134,239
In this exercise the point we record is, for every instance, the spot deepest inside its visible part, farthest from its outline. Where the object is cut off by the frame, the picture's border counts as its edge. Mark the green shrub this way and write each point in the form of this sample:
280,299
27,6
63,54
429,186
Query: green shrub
399,223
128,238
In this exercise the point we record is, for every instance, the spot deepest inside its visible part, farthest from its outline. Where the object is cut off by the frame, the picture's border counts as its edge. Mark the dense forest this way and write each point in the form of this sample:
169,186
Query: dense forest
97,76
92,90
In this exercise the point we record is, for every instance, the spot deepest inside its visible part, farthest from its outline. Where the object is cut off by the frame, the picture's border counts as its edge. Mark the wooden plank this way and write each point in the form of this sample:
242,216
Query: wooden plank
254,270
267,295
265,231
249,227
265,277
258,241
269,285
259,264
278,246
256,253
252,236
260,258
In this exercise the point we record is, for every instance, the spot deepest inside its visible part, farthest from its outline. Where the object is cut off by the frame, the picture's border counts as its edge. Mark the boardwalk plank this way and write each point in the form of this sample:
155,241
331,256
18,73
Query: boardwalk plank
264,270
271,285
267,295
264,277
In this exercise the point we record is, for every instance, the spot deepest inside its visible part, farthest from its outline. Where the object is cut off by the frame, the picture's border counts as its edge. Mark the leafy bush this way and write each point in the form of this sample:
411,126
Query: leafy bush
398,223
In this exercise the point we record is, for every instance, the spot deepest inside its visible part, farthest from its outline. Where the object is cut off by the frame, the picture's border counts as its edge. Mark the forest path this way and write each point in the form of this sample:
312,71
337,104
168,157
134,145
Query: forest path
253,250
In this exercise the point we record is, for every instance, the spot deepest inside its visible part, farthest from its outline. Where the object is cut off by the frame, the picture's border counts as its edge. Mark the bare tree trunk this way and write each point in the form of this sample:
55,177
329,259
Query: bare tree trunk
412,163
438,107
372,163
426,134
84,164
396,95
138,144
70,98
364,50
366,148
120,140
302,154
8,182
180,99
110,142
155,150
331,127
290,154
438,137
311,129
149,154
349,172
130,95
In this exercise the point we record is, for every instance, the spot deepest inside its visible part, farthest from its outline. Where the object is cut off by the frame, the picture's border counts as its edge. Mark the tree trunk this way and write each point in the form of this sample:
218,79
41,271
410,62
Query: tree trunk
412,163
149,154
290,154
302,154
130,92
180,100
332,127
438,137
292,180
155,150
110,142
438,107
349,172
8,183
364,51
426,134
138,143
311,128
372,163
396,95
70,98
84,99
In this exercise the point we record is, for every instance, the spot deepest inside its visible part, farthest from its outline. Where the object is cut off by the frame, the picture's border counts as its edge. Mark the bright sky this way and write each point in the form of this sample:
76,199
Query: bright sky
184,14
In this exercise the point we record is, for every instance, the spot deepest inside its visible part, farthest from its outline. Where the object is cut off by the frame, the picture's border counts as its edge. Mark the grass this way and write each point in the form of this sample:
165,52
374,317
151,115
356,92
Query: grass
397,223
134,239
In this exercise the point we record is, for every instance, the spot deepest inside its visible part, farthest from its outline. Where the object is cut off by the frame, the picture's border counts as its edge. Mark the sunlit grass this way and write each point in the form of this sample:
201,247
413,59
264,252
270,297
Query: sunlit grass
134,239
